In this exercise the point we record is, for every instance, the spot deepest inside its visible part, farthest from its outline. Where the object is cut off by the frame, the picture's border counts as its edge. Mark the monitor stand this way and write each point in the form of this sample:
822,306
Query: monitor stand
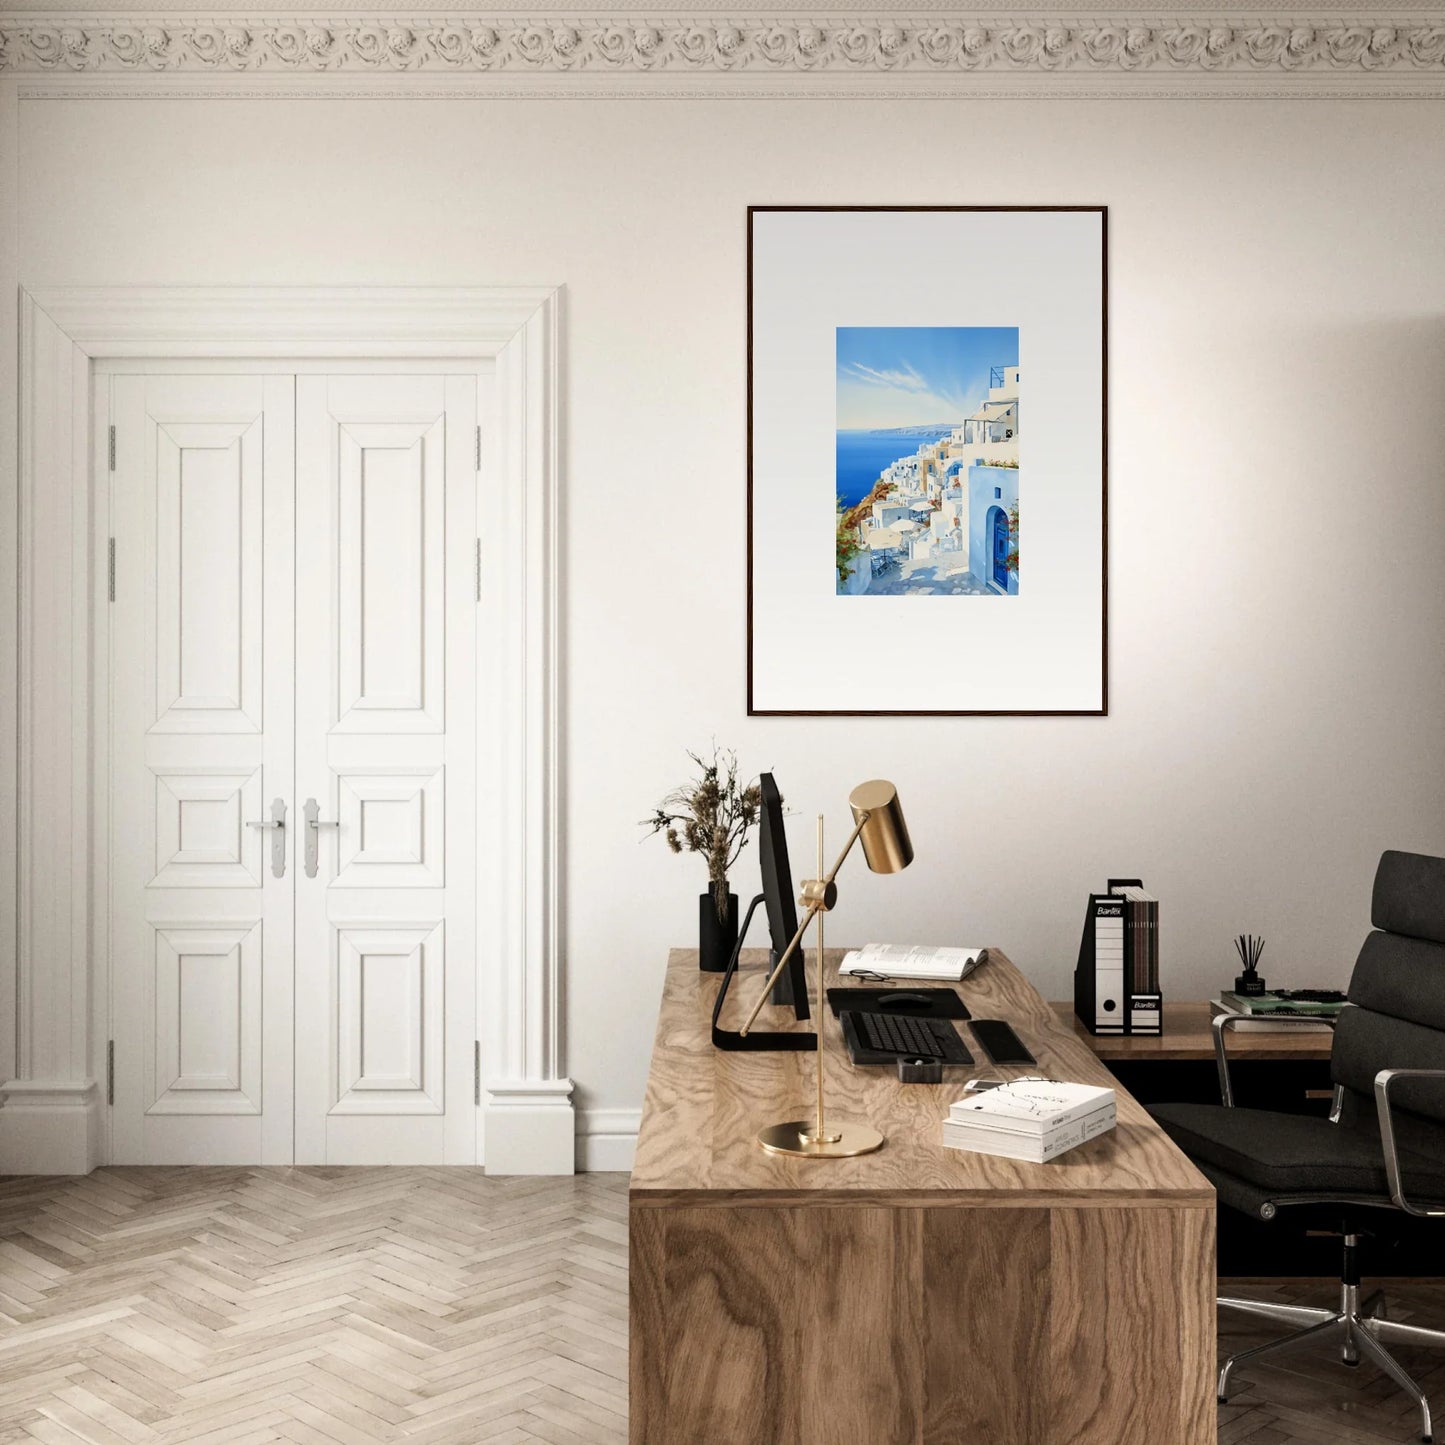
756,1040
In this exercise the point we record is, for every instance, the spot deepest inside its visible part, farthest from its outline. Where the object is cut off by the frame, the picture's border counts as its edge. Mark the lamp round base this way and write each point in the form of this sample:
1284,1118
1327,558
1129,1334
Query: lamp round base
795,1137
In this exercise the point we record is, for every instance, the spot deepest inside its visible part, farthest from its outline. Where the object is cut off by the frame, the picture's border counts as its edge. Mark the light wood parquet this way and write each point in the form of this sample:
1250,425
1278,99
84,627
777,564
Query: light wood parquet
318,1306
346,1306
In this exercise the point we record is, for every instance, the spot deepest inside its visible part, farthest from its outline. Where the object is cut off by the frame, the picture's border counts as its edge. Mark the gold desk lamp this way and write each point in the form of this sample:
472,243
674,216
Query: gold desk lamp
878,824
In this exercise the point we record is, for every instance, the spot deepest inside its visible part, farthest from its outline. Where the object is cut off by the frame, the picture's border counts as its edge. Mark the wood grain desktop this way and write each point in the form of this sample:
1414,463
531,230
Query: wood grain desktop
919,1294
1188,1037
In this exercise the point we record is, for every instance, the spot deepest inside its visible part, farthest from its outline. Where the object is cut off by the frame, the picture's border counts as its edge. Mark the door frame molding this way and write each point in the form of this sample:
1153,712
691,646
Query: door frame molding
51,1119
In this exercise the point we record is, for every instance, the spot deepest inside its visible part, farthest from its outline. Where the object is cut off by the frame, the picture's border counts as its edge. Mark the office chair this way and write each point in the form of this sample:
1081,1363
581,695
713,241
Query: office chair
1382,1150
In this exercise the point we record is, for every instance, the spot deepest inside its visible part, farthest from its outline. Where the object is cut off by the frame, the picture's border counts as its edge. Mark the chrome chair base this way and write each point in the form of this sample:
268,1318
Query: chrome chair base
1361,1326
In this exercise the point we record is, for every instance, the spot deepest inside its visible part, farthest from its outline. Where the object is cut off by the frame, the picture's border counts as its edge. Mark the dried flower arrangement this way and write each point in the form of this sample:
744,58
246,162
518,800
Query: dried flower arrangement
712,816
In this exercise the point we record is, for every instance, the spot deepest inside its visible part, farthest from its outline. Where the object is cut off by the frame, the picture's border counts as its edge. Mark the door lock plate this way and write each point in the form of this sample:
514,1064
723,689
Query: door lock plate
277,824
314,825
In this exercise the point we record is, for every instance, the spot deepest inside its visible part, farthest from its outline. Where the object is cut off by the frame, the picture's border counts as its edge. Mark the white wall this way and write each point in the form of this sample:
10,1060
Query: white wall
1278,362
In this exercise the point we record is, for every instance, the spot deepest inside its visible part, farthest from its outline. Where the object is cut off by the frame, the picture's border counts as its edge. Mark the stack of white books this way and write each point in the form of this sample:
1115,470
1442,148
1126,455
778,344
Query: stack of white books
1033,1119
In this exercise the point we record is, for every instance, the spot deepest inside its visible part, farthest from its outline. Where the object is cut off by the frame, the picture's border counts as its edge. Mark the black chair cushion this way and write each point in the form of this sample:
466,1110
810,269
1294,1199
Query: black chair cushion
1362,1213
1285,1154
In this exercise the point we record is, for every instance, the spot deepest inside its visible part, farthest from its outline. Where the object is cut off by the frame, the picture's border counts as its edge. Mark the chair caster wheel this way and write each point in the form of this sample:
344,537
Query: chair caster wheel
1353,1364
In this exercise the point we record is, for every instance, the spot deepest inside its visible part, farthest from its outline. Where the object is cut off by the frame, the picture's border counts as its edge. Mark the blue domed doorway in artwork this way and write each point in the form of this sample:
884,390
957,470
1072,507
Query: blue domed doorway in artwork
998,530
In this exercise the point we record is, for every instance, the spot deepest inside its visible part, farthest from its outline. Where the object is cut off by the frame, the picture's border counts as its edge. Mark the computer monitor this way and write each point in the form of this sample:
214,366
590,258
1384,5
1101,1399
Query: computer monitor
791,989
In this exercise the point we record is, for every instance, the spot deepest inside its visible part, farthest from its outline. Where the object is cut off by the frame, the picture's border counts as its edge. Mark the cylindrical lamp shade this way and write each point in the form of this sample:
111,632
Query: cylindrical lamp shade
885,840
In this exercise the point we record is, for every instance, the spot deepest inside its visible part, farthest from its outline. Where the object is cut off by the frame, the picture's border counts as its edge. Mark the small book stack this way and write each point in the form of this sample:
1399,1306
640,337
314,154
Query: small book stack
1032,1119
1264,1012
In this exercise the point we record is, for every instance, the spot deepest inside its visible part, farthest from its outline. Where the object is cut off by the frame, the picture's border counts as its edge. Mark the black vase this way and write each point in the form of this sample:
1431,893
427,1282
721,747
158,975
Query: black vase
716,938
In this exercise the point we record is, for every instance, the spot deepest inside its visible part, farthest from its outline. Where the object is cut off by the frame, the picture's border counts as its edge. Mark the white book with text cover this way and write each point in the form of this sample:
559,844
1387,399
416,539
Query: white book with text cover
1030,1106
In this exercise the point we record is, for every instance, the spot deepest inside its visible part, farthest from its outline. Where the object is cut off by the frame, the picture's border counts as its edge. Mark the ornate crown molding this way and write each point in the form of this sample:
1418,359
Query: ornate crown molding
695,46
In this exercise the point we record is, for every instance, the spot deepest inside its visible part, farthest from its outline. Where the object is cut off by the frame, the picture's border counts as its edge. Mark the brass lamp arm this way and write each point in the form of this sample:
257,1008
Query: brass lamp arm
819,897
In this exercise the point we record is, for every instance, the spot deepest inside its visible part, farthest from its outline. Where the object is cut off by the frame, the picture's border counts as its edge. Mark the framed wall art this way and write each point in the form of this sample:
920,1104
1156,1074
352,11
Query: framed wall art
927,460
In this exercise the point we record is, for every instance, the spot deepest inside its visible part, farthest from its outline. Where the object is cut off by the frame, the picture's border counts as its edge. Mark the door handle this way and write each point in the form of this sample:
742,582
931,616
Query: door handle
276,822
314,825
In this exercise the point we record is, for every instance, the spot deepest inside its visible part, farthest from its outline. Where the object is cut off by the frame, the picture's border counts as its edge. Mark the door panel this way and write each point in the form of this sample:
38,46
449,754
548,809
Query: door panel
209,506
385,931
202,840
389,1025
208,1019
393,827
202,667
390,536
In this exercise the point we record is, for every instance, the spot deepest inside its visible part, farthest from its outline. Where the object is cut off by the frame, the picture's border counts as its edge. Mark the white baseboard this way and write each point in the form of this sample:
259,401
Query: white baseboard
607,1139
530,1127
49,1127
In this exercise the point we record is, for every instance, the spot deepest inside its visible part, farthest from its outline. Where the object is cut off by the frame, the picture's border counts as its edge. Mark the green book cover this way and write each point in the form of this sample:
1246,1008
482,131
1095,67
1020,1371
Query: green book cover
1272,1003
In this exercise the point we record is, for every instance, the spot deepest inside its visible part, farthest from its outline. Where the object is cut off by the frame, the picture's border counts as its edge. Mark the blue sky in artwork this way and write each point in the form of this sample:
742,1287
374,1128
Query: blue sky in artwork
892,376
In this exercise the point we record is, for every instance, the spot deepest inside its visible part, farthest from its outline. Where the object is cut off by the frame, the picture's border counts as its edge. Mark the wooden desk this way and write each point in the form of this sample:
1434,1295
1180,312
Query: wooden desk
1187,1037
918,1295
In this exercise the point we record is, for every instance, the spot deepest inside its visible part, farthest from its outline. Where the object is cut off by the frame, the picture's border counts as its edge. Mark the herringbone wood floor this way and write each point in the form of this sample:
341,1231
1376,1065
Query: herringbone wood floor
1308,1396
324,1306
346,1306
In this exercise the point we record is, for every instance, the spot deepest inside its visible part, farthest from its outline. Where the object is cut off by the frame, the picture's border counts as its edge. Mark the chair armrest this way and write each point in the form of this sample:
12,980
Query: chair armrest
1383,1080
1223,1023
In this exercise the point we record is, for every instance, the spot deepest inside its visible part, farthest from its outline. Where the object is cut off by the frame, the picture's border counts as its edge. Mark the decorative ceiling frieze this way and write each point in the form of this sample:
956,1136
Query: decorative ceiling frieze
879,46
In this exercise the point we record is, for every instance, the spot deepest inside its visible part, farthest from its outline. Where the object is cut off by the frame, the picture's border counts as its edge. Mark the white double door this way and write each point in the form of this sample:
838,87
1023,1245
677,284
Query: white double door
292,859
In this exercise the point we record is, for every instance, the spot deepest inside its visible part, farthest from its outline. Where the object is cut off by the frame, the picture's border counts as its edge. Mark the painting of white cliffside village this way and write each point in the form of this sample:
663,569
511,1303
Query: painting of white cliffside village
928,461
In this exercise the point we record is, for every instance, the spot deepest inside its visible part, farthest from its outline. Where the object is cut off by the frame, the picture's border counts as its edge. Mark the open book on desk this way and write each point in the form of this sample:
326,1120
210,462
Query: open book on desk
902,960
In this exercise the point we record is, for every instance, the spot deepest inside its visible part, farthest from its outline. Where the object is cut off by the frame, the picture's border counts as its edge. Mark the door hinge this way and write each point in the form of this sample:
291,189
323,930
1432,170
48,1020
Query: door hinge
110,448
479,449
110,1072
477,1072
110,569
479,569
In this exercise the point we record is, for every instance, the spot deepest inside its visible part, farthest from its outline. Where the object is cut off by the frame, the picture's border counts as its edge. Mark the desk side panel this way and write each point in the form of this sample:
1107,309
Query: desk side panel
776,1325
1132,1326
986,1302
647,1325
815,1326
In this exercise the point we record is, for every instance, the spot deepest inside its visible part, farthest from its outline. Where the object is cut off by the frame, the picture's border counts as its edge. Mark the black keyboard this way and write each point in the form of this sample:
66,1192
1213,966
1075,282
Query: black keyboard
882,1038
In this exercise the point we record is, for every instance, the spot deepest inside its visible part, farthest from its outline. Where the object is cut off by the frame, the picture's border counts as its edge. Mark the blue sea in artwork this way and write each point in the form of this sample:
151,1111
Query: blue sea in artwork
862,455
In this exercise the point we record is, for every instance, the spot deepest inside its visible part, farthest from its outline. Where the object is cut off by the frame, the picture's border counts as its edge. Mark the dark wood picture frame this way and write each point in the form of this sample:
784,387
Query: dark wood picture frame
1103,708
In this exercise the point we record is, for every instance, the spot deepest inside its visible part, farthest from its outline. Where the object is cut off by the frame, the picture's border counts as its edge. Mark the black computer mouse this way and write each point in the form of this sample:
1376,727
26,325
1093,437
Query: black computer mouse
904,1000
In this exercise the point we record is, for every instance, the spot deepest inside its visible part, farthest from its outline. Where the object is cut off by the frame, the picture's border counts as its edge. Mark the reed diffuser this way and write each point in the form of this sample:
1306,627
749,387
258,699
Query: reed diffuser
1249,948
